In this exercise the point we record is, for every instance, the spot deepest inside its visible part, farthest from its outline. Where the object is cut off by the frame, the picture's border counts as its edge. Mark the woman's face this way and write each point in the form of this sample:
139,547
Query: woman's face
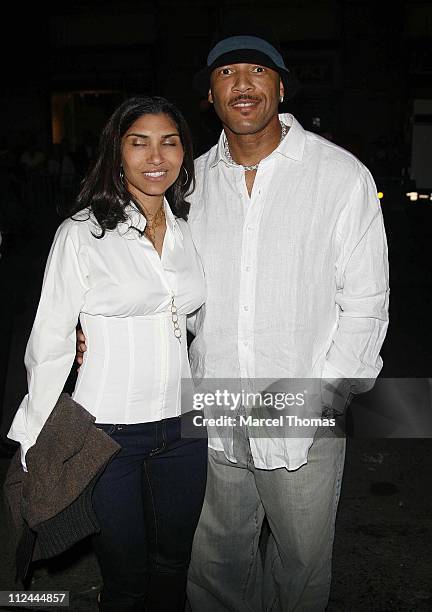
152,156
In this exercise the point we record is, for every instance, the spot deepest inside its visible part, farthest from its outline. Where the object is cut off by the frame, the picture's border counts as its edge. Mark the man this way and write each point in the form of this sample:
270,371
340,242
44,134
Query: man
291,237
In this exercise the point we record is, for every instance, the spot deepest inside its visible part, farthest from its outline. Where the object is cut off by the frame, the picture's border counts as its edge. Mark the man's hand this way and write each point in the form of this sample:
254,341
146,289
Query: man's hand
335,395
81,346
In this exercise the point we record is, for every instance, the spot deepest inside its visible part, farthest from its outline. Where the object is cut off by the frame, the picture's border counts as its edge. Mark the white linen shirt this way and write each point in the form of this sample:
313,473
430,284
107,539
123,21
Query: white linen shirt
296,274
121,291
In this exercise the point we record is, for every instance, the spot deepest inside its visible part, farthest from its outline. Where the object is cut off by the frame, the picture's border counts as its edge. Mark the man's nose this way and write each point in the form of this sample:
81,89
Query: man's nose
243,82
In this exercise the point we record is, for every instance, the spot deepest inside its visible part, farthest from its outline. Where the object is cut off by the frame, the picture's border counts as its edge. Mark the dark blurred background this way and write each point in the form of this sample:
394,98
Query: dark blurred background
365,69
366,73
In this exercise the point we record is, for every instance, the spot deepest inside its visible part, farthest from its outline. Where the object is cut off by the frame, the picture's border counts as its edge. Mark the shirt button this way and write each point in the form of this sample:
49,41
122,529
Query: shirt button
250,228
245,343
248,268
246,308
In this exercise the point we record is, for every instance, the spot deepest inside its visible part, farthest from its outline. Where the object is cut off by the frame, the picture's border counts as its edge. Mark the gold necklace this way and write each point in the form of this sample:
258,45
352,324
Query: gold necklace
157,220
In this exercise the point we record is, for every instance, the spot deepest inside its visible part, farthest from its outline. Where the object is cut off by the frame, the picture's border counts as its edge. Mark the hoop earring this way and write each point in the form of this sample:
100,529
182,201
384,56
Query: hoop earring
187,177
281,99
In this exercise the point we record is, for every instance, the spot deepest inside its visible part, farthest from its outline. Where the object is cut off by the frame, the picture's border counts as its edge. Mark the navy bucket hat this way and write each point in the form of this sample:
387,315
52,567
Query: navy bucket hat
250,45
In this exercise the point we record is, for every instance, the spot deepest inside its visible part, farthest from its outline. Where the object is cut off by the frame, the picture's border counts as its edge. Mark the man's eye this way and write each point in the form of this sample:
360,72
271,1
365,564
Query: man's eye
258,69
226,71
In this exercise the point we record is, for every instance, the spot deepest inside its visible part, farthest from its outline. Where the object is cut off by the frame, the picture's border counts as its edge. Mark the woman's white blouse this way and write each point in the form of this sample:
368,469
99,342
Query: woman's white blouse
121,291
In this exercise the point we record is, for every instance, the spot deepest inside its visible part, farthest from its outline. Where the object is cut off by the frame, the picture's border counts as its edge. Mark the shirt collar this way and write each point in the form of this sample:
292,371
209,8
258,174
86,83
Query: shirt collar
292,145
219,152
172,221
136,219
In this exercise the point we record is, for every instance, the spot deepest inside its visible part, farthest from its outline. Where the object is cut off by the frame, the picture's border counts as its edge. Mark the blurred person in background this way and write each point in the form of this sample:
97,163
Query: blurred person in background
33,158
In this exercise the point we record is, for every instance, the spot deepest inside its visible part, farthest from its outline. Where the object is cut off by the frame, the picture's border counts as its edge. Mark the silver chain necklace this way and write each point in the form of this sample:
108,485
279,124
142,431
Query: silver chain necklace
284,132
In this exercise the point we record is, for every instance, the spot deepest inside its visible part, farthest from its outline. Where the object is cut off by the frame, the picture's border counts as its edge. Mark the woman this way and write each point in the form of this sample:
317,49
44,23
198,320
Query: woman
125,264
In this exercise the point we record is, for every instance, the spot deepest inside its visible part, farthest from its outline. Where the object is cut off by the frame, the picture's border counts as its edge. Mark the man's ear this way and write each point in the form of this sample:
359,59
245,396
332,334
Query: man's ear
210,97
281,90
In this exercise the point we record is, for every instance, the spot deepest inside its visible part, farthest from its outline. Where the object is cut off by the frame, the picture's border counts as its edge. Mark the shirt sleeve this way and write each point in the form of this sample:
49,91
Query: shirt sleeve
50,349
362,293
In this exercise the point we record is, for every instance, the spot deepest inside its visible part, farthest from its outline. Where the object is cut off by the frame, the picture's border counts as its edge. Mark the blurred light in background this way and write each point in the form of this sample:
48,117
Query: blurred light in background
412,195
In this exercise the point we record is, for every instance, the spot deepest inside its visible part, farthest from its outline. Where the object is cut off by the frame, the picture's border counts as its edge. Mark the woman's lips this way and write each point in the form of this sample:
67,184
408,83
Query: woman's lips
155,175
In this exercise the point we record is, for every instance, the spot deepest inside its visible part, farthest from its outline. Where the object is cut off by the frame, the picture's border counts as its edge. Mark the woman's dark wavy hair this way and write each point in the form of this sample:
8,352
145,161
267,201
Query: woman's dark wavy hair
103,190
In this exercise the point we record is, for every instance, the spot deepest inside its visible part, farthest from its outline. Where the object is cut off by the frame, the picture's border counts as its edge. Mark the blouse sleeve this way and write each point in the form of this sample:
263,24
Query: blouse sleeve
50,349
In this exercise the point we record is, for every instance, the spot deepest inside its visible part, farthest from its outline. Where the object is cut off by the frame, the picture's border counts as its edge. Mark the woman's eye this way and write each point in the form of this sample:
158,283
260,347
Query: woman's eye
170,144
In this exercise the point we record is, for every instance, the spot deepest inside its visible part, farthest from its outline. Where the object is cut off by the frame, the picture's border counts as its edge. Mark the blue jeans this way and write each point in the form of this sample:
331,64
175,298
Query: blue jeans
148,502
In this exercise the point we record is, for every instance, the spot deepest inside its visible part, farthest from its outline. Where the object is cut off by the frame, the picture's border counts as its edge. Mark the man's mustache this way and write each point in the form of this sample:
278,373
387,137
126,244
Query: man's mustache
244,98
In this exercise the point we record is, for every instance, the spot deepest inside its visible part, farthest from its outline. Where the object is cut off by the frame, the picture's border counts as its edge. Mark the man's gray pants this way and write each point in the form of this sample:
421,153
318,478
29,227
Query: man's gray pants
228,572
